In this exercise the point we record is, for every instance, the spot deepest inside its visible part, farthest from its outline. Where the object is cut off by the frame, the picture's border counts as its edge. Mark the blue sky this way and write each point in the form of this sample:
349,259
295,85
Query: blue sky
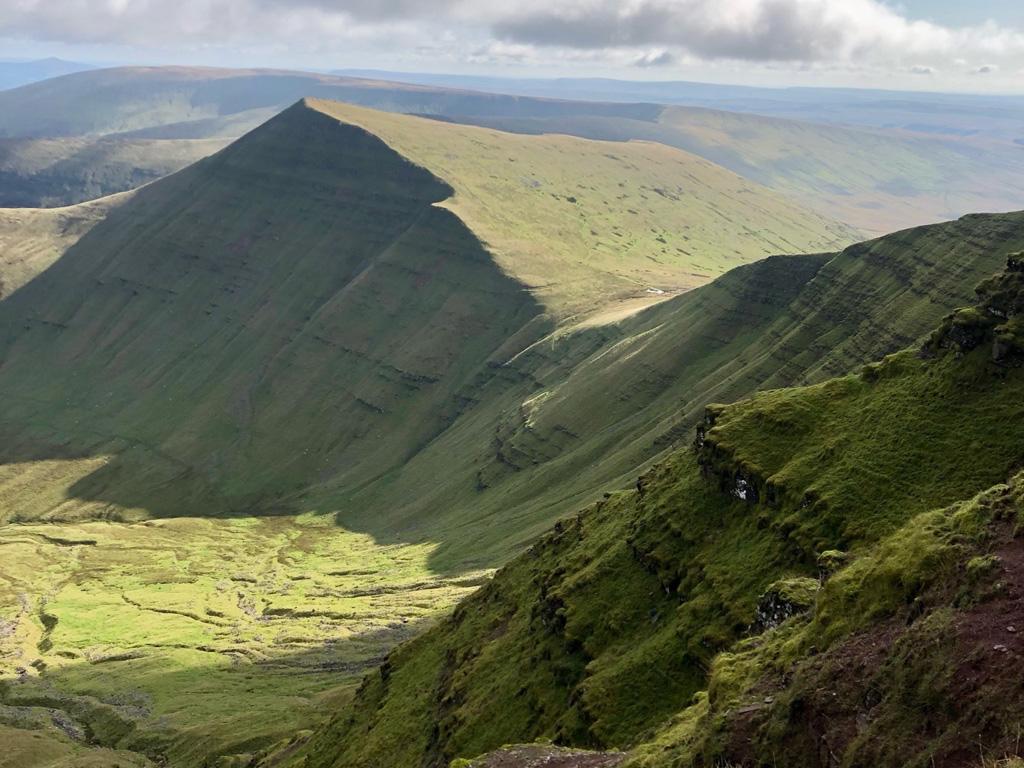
917,44
960,12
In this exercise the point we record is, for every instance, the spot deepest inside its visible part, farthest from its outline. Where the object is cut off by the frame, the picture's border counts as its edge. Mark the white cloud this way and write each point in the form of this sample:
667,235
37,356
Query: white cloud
800,35
655,59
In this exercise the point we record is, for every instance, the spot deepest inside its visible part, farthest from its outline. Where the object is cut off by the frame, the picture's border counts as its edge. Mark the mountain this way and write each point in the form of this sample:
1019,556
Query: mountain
830,575
134,99
17,73
278,412
876,178
72,138
178,296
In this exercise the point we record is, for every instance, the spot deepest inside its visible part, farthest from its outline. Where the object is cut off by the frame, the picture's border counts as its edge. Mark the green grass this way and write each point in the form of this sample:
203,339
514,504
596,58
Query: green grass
50,173
581,222
169,624
874,180
32,240
626,624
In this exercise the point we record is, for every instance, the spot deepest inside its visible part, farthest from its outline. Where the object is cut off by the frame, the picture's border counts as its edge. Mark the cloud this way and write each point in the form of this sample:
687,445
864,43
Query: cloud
796,34
654,59
753,30
986,69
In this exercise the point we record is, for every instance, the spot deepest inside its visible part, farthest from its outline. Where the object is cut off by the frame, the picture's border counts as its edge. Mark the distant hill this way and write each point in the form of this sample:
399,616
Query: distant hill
874,179
17,73
955,115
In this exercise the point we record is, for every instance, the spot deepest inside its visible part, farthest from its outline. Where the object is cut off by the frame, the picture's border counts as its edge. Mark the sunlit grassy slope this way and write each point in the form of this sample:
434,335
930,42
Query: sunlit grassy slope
195,638
877,181
652,619
31,240
583,411
579,220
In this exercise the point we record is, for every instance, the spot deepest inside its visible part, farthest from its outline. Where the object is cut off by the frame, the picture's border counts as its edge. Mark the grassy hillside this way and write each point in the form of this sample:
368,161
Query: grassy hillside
579,221
47,173
831,574
32,240
148,636
584,411
875,180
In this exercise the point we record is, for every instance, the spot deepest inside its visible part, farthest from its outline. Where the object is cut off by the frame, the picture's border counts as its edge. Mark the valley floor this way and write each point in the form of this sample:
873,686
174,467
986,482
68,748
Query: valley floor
145,636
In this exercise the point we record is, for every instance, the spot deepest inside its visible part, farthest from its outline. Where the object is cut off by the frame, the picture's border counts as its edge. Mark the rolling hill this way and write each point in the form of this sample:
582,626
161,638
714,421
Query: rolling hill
279,411
875,180
973,116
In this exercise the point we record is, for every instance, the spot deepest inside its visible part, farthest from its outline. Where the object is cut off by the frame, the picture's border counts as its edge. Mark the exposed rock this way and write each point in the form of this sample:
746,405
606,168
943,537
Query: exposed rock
830,561
783,600
543,756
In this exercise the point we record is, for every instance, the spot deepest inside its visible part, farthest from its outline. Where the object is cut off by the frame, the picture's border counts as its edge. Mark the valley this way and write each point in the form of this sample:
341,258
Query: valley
145,635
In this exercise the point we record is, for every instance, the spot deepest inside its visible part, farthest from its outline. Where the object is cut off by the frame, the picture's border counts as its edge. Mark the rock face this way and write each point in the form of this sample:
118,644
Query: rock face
783,600
536,756
998,319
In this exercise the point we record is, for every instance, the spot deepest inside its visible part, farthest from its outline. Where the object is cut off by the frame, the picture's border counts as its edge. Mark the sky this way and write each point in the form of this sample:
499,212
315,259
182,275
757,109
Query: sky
953,45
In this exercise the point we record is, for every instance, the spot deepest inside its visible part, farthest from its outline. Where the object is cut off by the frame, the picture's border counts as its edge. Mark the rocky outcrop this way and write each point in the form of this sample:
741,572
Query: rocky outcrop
718,464
783,600
997,320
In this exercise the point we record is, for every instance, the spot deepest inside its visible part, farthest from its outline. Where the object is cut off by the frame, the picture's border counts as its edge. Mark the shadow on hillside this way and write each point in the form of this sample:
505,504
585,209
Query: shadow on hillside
292,312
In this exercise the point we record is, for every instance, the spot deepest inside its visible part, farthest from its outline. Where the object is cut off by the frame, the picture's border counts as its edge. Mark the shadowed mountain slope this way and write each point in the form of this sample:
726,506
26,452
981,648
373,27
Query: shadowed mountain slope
831,574
321,317
301,277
